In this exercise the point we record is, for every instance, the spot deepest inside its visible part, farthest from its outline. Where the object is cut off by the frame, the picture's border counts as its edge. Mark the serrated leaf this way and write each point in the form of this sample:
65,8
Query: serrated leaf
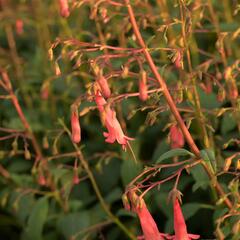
173,153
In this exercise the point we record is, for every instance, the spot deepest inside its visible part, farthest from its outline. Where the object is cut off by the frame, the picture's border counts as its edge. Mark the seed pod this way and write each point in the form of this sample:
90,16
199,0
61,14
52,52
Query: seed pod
76,130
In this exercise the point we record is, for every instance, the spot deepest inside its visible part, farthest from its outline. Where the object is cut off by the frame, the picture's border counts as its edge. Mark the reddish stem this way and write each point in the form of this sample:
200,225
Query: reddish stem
171,103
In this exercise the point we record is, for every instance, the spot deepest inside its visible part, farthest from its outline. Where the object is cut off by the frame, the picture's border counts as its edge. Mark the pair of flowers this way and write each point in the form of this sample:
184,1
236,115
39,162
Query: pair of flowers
109,119
149,227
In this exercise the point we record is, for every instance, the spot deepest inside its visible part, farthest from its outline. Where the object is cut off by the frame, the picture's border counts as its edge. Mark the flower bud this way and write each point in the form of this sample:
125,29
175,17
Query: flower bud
45,91
143,94
76,130
178,60
41,180
233,90
176,137
64,8
19,26
103,84
76,179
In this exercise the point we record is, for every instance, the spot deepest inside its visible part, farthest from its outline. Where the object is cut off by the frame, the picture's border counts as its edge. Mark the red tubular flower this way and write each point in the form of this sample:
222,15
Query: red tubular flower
180,227
143,94
103,84
149,227
115,131
76,130
176,137
64,8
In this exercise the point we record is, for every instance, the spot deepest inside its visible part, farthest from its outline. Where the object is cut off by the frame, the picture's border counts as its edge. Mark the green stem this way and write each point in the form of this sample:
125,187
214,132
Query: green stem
96,188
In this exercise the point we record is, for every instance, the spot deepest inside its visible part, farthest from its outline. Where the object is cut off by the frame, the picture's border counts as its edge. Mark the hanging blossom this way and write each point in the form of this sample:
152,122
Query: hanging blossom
149,227
115,132
64,8
180,227
176,137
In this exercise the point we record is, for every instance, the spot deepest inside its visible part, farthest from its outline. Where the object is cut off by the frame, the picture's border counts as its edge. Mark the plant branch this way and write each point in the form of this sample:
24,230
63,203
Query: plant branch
171,103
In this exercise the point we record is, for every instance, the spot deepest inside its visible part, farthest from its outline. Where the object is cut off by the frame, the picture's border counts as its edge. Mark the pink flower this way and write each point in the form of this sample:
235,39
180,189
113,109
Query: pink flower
180,227
19,26
143,94
149,227
76,130
103,84
115,132
64,8
176,137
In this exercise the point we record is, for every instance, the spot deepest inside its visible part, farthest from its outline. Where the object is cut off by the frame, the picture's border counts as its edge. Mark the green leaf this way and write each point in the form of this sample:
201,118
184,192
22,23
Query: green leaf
129,168
208,156
36,220
189,209
228,123
200,177
173,153
73,223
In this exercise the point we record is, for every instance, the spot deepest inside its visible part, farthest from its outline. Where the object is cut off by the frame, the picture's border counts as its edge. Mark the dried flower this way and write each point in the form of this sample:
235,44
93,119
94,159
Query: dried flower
64,8
76,130
180,227
115,132
143,94
176,137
